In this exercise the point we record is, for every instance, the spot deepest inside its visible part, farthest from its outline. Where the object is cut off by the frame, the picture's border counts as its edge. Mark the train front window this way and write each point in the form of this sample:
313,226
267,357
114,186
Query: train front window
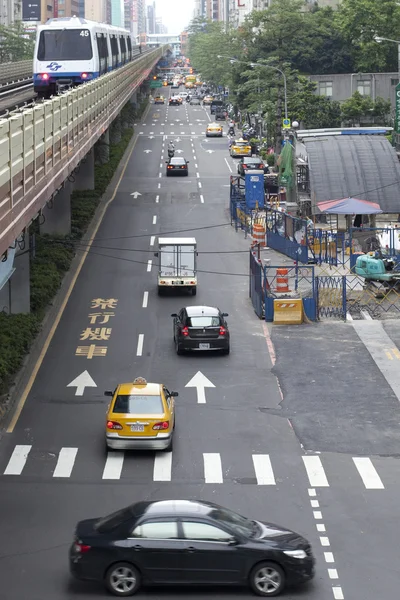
65,44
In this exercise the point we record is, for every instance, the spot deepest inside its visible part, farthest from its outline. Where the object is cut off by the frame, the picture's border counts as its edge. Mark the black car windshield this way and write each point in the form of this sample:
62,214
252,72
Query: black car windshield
204,321
138,405
178,161
234,521
111,522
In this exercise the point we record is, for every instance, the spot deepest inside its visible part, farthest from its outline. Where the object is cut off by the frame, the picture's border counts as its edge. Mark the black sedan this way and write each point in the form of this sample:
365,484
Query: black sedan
172,542
177,166
249,162
201,328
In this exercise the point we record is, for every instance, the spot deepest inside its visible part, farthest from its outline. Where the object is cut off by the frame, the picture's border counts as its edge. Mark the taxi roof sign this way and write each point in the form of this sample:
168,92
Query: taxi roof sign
140,381
286,123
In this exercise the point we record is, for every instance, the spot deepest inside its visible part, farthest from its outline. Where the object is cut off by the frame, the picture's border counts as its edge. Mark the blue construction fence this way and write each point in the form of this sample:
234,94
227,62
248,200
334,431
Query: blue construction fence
263,287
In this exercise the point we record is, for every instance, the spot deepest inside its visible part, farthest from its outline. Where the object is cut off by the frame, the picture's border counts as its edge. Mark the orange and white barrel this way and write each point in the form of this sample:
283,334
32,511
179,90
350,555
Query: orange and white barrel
282,281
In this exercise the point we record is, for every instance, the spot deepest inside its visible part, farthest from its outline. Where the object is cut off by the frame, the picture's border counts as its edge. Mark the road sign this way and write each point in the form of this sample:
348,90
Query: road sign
286,123
397,123
155,84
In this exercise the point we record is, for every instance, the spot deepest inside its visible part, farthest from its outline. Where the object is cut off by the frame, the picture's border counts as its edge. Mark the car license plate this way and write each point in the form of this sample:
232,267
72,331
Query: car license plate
137,427
204,346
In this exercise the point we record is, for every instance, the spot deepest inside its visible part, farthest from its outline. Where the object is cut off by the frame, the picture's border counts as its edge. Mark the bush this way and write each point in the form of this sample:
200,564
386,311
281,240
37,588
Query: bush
51,260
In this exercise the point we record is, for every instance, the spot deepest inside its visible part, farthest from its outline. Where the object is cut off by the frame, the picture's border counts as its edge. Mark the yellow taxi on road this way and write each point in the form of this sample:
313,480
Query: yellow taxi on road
189,85
159,100
207,100
140,416
240,148
214,130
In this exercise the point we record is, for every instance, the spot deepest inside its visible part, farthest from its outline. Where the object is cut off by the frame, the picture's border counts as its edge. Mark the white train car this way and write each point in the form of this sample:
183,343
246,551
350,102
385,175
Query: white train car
71,51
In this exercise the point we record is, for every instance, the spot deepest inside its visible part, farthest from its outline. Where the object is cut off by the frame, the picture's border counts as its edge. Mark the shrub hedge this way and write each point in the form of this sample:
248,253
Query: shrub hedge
50,262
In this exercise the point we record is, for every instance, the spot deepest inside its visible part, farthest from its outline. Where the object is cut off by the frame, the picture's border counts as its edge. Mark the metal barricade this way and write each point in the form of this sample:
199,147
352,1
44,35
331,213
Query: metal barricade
287,235
256,288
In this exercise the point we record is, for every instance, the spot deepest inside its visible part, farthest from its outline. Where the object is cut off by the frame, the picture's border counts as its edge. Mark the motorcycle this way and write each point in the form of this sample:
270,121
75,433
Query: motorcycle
171,153
231,131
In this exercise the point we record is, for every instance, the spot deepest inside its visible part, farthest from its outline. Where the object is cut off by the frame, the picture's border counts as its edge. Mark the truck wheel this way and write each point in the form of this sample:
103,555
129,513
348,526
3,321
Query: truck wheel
194,291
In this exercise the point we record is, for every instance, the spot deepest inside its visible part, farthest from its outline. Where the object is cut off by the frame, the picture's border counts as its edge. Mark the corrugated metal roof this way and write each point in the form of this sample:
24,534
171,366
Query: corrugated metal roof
360,166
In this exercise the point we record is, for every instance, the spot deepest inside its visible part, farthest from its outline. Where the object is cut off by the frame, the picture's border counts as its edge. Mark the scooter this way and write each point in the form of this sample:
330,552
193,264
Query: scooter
171,153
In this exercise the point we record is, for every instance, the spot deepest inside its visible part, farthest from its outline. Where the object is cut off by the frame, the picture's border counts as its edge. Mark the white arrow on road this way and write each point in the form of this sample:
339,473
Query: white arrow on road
81,382
136,194
147,151
179,151
151,137
210,151
200,382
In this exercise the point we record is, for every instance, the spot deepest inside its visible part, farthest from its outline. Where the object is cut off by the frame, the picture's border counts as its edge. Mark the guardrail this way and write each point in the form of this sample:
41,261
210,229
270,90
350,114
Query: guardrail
42,145
15,71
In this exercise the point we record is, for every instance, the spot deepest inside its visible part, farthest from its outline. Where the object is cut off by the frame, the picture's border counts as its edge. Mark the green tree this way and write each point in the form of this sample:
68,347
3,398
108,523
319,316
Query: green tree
360,21
15,43
356,107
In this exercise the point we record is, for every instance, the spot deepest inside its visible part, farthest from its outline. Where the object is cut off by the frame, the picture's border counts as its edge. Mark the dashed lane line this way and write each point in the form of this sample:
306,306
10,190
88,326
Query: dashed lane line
152,240
155,220
202,198
139,349
145,299
149,264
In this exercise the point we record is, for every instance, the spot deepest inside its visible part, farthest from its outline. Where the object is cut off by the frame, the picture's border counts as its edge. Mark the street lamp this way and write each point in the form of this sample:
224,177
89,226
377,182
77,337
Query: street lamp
379,40
235,60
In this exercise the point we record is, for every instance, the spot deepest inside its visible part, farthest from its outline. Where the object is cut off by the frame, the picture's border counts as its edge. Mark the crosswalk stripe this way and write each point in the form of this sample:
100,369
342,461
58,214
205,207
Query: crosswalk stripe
162,466
315,471
212,468
263,469
113,466
65,462
368,473
17,460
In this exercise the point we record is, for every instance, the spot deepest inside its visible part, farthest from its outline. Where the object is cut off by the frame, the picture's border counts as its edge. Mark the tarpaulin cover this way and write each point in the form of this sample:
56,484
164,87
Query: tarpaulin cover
349,206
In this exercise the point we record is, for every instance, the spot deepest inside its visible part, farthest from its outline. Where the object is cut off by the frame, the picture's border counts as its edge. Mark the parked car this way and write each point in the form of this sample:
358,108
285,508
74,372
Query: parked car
187,542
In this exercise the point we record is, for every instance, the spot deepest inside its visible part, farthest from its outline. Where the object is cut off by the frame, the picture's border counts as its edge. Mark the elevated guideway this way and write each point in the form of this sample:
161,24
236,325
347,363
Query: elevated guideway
41,146
15,71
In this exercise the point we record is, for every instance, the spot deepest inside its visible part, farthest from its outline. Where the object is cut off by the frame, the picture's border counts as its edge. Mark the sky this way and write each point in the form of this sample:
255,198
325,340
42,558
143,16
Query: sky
175,14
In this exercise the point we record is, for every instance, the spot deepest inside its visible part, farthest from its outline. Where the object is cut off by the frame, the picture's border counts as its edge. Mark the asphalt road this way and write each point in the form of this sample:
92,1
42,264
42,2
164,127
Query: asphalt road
53,466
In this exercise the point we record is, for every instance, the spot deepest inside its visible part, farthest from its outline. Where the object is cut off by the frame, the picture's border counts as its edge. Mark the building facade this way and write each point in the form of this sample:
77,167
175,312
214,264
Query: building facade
65,8
10,11
342,86
95,10
151,18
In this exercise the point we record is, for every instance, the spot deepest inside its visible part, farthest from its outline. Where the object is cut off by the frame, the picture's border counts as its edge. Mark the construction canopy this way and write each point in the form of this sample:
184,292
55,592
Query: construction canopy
349,206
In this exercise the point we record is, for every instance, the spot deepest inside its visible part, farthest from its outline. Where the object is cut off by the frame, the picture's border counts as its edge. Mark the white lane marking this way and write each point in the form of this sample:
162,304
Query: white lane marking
160,165
194,157
145,299
212,468
161,133
315,471
228,165
338,593
321,527
202,198
196,166
162,466
312,492
160,175
152,240
113,466
199,184
329,557
157,199
314,503
65,462
159,185
154,219
333,574
192,132
263,469
368,473
197,175
140,132
317,514
149,263
139,349
324,541
17,460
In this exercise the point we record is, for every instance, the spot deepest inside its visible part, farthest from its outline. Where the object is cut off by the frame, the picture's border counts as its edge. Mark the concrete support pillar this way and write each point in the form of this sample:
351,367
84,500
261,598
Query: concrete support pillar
84,178
115,131
134,99
57,214
102,149
15,295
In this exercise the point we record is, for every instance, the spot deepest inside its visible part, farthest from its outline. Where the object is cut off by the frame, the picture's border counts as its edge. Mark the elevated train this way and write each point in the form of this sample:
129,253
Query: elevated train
71,51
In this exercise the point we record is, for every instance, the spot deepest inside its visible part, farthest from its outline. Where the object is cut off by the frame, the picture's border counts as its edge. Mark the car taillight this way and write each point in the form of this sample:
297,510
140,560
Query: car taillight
244,166
161,425
81,548
44,76
84,75
182,167
113,425
169,167
185,331
222,330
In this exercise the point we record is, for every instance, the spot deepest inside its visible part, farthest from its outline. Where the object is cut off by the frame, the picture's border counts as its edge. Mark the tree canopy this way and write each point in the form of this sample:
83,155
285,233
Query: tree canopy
15,43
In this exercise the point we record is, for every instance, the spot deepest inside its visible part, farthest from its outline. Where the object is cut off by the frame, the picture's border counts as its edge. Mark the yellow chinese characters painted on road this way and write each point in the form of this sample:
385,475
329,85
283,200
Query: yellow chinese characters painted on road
97,334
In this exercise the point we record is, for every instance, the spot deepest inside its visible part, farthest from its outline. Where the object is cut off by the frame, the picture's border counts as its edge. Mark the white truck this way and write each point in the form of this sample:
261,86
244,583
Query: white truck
177,258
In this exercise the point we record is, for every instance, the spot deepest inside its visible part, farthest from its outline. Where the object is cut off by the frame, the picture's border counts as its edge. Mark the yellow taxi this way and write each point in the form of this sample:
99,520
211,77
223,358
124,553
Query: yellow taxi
159,100
214,130
140,416
240,148
189,85
208,99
